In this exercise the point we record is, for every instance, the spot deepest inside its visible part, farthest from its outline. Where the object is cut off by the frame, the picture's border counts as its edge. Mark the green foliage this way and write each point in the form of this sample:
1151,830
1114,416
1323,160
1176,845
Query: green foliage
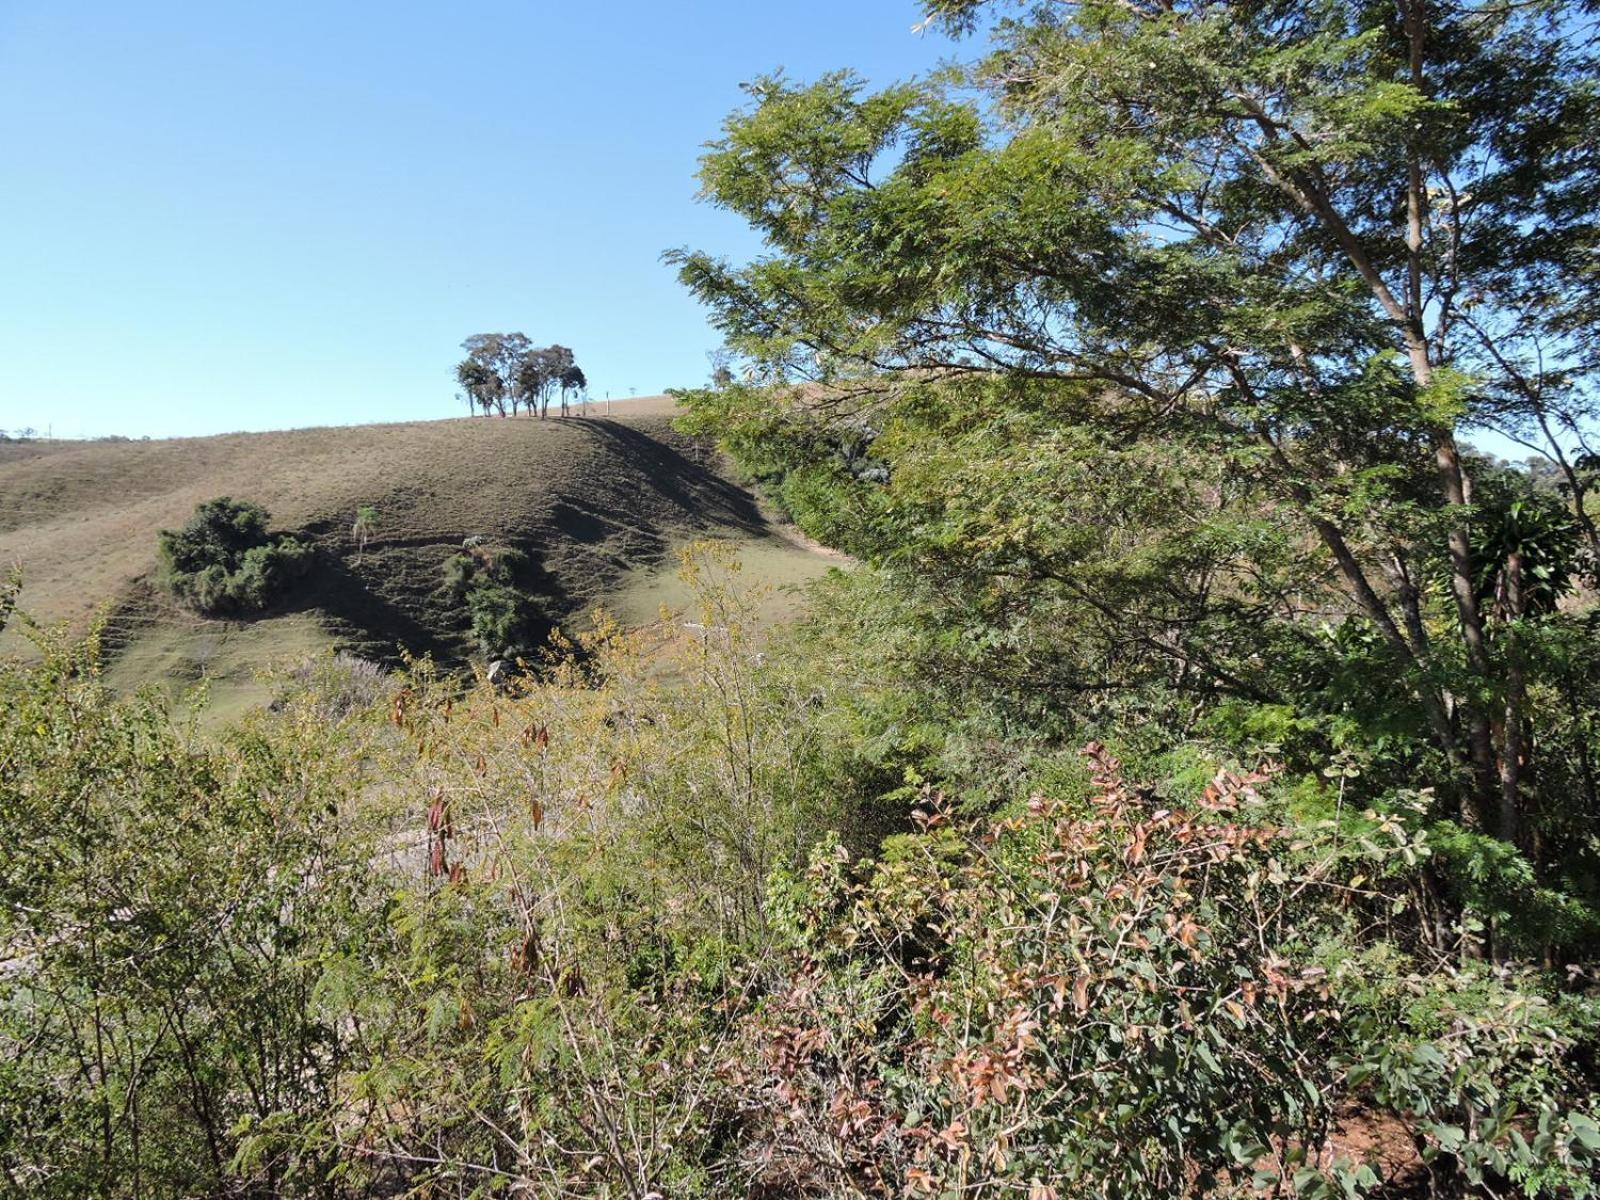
1113,358
224,562
168,909
484,580
576,954
562,938
1130,364
500,618
1149,998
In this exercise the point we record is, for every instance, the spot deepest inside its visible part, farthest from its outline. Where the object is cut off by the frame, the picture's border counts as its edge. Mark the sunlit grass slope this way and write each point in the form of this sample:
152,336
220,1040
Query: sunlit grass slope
597,503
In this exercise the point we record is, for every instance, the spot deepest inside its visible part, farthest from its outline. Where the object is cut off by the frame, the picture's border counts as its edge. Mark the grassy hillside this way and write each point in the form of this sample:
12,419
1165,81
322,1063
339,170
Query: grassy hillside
597,504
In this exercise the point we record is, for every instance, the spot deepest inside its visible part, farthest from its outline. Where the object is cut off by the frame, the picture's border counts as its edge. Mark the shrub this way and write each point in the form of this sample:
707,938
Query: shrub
500,618
565,941
225,562
333,686
169,908
1143,998
483,579
589,912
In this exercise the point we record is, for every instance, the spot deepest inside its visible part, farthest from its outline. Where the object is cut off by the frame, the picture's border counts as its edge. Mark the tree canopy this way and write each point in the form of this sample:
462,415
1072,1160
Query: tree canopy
507,368
1264,264
1309,245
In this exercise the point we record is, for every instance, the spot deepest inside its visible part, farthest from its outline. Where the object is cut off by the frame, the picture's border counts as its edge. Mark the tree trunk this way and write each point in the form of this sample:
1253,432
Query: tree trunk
1511,752
1447,456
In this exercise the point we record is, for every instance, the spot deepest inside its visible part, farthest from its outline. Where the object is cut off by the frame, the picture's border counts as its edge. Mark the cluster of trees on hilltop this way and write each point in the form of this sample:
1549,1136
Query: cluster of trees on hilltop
503,369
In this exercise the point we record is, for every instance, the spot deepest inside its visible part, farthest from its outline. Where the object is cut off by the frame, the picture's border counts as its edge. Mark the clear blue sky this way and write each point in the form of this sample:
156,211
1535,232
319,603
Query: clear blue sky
257,216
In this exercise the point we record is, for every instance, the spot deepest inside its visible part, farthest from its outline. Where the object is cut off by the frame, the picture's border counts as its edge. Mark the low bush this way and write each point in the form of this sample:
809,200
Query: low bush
591,936
170,910
224,561
1146,996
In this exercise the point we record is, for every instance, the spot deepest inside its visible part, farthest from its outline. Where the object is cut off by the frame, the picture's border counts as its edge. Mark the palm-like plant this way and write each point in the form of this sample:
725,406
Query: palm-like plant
365,525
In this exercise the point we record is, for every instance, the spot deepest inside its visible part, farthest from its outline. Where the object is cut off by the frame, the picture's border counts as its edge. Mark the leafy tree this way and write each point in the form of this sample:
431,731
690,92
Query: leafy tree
1293,250
555,362
499,619
572,380
500,355
480,383
534,380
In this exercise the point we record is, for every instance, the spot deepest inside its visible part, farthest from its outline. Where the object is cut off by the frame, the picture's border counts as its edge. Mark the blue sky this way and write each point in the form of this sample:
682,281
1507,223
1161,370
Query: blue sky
259,216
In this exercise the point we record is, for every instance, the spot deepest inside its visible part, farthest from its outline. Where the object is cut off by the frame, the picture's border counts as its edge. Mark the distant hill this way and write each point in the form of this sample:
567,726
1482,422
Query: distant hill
597,503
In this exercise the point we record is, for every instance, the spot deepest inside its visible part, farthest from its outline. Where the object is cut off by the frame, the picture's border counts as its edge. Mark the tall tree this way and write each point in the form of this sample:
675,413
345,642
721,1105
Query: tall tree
1315,242
479,382
533,377
572,380
514,347
558,360
502,354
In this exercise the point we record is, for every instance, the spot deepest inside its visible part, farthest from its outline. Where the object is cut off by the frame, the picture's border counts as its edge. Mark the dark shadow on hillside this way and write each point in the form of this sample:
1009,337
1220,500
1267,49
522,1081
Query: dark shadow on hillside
397,600
368,622
630,495
705,497
581,524
542,586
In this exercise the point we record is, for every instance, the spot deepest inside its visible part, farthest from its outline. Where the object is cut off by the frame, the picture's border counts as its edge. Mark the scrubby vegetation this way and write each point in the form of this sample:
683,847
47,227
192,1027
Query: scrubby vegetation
1190,790
225,562
171,912
594,937
483,580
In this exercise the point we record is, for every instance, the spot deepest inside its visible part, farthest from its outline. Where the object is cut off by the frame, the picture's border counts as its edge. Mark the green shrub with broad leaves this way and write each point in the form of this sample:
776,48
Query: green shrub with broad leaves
1146,996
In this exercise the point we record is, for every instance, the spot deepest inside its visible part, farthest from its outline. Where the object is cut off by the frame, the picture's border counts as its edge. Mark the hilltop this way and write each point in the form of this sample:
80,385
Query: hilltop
597,504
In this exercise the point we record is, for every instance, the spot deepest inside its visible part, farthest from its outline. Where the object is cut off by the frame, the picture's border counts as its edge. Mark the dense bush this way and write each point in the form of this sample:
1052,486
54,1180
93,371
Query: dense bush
1152,995
483,580
224,561
169,911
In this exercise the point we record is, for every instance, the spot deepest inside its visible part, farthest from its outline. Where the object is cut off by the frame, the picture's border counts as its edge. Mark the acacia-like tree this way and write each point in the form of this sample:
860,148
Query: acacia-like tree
1307,246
